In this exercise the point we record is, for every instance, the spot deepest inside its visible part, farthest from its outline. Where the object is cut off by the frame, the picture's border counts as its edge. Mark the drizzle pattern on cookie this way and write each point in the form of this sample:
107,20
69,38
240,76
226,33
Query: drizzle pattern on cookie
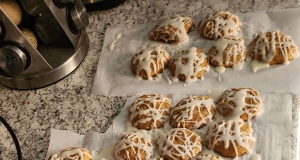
133,145
219,24
183,114
179,143
74,153
154,110
189,63
152,60
227,52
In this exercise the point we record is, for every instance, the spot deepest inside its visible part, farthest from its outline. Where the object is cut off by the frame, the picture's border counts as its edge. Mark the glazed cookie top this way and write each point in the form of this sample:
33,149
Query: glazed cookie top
193,112
273,47
74,153
240,102
189,63
232,132
219,24
149,62
150,111
179,143
228,51
137,144
173,29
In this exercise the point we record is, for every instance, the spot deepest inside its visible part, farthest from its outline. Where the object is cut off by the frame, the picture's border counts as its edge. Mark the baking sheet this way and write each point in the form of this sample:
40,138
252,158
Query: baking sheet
114,77
272,129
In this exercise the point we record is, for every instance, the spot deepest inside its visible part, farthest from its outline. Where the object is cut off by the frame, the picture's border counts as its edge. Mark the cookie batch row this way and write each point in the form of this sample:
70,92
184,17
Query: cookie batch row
228,135
266,49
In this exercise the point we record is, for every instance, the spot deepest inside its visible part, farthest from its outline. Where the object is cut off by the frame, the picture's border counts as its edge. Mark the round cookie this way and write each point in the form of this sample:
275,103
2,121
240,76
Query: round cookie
219,24
149,62
172,30
179,144
189,65
136,145
208,157
149,111
30,36
193,112
273,47
74,153
12,10
245,103
228,52
230,138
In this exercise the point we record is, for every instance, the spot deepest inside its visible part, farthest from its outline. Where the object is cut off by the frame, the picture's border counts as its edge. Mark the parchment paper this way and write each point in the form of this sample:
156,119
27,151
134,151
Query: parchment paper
114,77
272,130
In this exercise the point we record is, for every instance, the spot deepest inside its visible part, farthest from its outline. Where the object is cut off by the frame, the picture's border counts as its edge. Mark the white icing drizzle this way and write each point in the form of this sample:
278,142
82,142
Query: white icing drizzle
173,150
207,157
228,26
228,132
187,107
146,58
266,48
119,36
112,45
257,65
193,65
173,27
234,47
255,157
154,111
74,153
167,77
137,142
235,98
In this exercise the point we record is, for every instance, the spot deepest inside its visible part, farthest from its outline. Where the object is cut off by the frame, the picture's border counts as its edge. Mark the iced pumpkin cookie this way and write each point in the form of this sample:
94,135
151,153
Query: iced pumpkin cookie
149,111
149,62
74,153
219,24
228,52
136,145
245,103
270,48
189,65
230,138
179,144
172,30
193,112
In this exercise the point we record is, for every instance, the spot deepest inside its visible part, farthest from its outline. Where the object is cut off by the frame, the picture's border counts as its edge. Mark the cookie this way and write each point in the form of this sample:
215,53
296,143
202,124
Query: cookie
172,30
273,47
219,24
149,62
245,103
136,145
74,153
189,65
228,52
230,138
179,144
193,112
149,111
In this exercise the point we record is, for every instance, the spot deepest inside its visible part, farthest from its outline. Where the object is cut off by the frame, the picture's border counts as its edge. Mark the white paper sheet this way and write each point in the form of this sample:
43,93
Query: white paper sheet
114,77
272,130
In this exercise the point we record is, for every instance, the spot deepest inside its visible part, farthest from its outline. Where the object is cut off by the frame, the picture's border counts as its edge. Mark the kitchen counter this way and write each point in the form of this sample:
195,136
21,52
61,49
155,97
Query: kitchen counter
68,104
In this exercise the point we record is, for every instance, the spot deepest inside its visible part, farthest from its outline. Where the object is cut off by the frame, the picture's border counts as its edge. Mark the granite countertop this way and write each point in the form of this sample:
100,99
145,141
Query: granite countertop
68,104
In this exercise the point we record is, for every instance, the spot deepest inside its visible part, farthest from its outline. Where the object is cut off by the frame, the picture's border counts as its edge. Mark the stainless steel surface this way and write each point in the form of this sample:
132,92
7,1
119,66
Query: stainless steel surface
12,59
48,28
62,66
78,15
34,7
63,1
90,1
12,33
61,17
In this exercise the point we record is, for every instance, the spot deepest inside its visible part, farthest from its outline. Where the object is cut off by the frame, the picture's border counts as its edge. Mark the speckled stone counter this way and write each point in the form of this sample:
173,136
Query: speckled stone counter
68,104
